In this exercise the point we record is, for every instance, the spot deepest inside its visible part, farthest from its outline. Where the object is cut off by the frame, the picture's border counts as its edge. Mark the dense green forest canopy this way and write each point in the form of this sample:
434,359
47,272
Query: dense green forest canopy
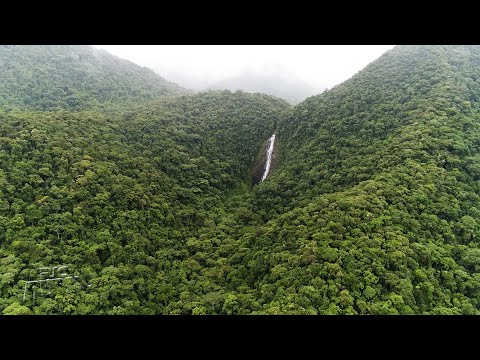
54,77
372,206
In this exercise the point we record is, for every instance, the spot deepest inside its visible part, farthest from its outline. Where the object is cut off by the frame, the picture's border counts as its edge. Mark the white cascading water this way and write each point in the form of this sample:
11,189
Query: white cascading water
270,144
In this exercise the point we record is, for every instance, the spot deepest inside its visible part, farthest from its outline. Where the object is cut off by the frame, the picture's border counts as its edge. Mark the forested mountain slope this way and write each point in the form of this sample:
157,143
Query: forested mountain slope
118,198
372,206
53,77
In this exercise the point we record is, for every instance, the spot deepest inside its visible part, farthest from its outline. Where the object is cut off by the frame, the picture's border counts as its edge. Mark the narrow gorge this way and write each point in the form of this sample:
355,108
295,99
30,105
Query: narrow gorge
268,163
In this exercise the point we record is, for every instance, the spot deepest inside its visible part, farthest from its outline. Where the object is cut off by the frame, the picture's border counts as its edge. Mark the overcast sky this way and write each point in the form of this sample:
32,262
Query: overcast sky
196,66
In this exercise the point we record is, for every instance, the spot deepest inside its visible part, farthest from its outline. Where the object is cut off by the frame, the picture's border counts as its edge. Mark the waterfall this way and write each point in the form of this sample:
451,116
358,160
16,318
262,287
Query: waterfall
270,144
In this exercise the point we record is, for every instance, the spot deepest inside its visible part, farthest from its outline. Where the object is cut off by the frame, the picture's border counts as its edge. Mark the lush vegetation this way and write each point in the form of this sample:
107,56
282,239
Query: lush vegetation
121,198
372,206
54,77
375,202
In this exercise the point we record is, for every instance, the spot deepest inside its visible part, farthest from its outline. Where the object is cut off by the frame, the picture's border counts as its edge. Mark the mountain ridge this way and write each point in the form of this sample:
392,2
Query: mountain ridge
371,206
51,77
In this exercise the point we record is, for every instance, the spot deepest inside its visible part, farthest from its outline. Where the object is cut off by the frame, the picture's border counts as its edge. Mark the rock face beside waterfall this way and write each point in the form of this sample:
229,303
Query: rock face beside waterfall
268,162
260,161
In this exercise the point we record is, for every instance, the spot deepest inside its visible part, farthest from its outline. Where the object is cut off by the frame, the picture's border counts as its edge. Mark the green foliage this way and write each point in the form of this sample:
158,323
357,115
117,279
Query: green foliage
17,309
122,200
376,189
371,208
54,77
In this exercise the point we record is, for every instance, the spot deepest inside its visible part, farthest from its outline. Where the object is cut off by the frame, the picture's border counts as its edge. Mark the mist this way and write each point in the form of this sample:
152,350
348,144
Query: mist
198,67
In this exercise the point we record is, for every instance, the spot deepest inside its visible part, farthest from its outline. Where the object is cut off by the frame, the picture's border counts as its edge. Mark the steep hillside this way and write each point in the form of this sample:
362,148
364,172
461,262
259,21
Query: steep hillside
374,205
52,77
120,198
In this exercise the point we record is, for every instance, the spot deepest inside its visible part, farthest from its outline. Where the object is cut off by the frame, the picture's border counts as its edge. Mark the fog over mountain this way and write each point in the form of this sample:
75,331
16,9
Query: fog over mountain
199,67
286,86
272,79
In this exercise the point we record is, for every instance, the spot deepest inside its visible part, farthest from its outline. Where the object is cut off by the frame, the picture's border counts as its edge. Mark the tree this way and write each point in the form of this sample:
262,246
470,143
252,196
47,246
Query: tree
17,309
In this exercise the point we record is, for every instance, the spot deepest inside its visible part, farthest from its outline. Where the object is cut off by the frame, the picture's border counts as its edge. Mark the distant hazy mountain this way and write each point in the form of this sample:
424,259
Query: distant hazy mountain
290,88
